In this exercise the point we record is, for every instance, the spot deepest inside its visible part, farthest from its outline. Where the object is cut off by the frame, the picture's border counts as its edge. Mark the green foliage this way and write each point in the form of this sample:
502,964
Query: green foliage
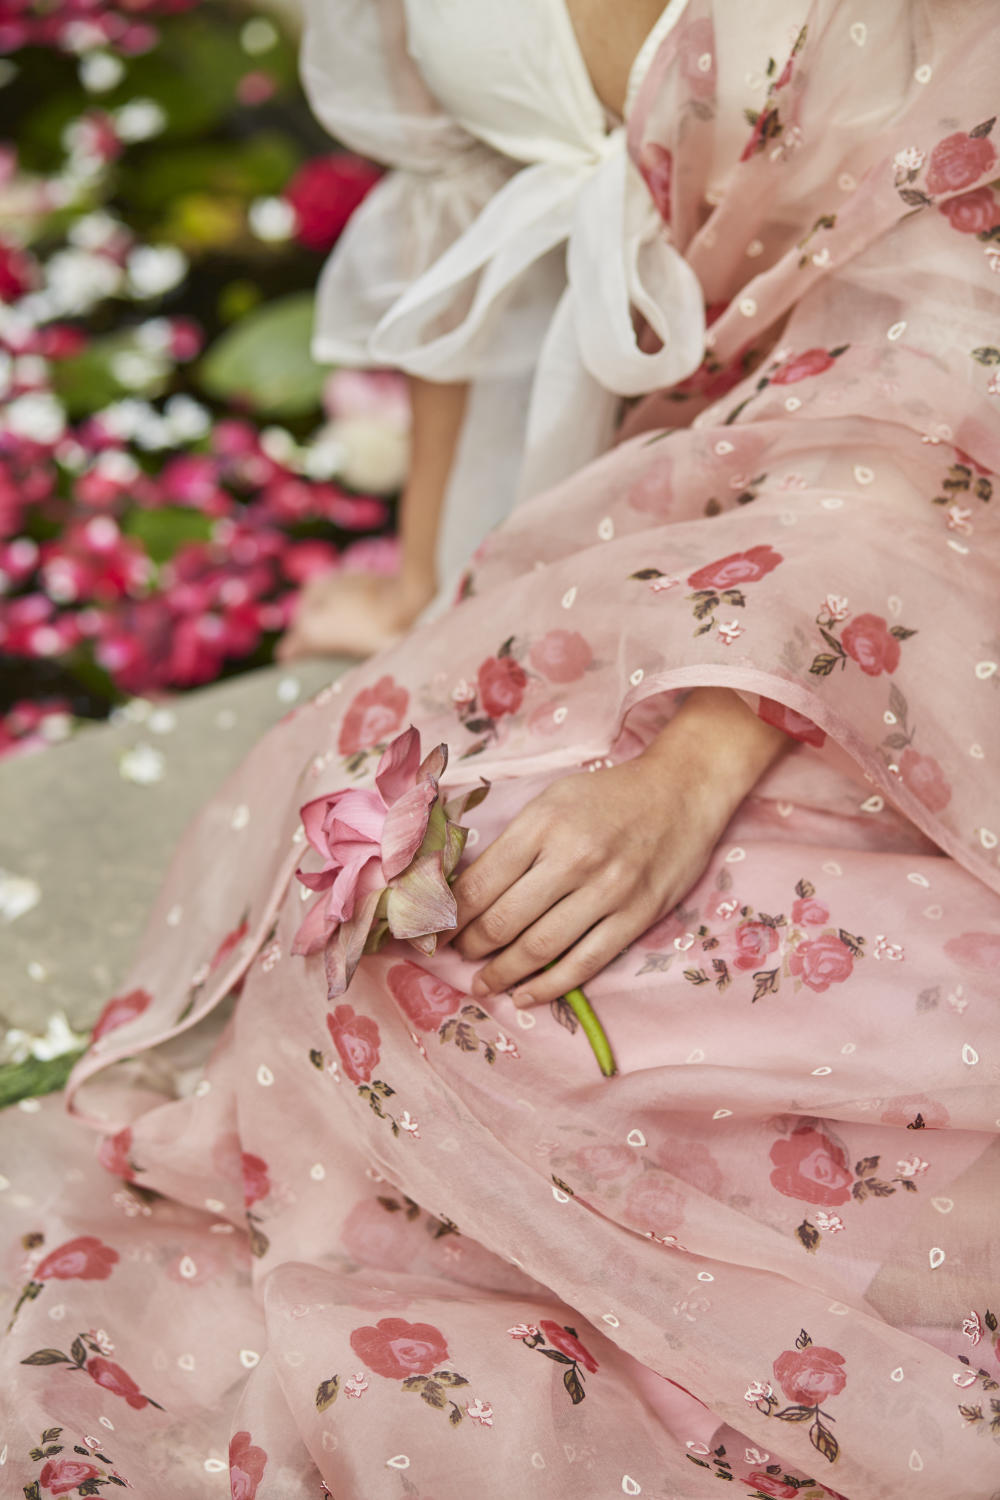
264,361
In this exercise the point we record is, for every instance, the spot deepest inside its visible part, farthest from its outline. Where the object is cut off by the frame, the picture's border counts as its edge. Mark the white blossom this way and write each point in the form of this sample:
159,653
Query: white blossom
140,120
271,220
100,71
156,269
37,416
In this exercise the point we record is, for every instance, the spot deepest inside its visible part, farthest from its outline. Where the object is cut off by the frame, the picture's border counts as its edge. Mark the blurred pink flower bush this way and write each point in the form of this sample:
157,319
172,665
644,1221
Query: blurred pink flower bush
173,467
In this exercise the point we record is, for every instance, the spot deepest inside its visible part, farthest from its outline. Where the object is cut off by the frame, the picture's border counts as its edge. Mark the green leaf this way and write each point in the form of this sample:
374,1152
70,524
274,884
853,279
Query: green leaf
86,383
164,531
51,1434
449,1378
34,1077
809,1236
327,1392
265,360
983,129
823,664
78,1351
573,1383
866,1166
47,1357
32,1492
986,354
414,1382
434,1395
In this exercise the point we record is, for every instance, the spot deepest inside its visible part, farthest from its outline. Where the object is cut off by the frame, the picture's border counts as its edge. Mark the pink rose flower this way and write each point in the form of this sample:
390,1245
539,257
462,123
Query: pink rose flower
119,1011
810,1376
771,1484
822,961
811,362
737,568
375,1236
395,1349
423,998
502,682
567,1343
605,1163
561,655
357,1040
246,1466
976,950
654,1204
810,1167
808,912
696,1166
972,213
324,193
256,1182
958,161
112,1377
657,167
372,716
754,941
868,640
114,1154
62,1476
923,776
82,1259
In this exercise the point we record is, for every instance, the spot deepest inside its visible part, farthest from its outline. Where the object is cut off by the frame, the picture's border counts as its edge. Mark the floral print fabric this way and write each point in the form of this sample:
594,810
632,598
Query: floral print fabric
404,1244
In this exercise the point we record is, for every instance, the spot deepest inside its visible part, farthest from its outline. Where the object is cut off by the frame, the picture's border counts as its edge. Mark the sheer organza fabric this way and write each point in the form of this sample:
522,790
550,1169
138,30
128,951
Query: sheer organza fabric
408,1245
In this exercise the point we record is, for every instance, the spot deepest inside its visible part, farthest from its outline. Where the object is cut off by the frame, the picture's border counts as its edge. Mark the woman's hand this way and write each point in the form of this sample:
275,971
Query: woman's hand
598,857
353,614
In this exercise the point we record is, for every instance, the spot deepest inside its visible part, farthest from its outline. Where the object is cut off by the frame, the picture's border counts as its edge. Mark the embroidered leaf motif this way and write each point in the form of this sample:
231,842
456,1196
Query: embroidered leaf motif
766,982
724,979
706,602
563,1012
824,663
803,1341
990,1320
646,573
824,1441
574,1385
53,1434
434,1395
47,1357
31,1491
327,1392
455,1415
970,1413
914,197
259,1242
316,1058
900,632
560,1359
796,1413
449,1378
414,1382
986,354
696,976
856,944
809,1236
78,1350
859,1190
984,129
867,1165
805,889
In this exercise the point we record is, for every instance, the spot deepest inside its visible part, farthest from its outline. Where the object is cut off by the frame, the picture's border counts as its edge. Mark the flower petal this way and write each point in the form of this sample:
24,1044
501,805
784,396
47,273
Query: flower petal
316,930
361,810
313,816
420,901
434,764
397,769
405,826
344,955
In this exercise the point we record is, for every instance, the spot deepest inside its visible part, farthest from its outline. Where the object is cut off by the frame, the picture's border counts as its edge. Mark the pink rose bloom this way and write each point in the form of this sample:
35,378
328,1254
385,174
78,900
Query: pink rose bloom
395,1349
502,682
82,1259
63,1476
923,776
822,961
424,999
809,1376
810,1167
567,1343
868,640
771,1484
368,837
972,213
737,568
119,1011
246,1466
808,912
561,655
812,362
112,1377
372,715
976,950
357,1040
324,193
114,1154
754,941
376,1236
654,1204
958,161
606,1163
256,1182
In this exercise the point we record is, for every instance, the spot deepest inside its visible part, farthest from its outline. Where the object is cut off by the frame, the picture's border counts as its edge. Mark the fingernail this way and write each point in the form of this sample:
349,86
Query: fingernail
522,998
480,987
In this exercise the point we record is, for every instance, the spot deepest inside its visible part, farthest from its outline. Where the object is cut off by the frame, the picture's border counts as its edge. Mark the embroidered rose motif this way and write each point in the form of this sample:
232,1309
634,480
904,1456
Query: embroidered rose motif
738,567
653,1204
61,1476
772,1484
809,912
810,362
502,682
561,655
373,715
923,776
605,1163
357,1040
754,941
811,1168
958,161
246,1466
567,1343
421,996
396,1349
256,1183
810,1376
976,950
119,1011
112,1377
657,167
82,1259
822,961
972,213
113,1154
379,1236
868,640
795,725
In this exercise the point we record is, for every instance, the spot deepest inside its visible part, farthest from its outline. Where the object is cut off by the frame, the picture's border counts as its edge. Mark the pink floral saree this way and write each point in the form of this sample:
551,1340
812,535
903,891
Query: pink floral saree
406,1246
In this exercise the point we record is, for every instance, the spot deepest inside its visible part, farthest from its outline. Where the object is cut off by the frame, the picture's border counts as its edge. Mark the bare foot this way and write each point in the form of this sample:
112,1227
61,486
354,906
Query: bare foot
352,614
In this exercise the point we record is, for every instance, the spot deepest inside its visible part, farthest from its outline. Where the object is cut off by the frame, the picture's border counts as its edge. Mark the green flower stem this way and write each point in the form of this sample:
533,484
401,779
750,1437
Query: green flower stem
593,1031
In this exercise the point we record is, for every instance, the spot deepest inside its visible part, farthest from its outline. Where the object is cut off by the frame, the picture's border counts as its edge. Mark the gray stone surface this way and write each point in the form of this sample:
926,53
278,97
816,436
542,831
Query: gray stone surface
92,824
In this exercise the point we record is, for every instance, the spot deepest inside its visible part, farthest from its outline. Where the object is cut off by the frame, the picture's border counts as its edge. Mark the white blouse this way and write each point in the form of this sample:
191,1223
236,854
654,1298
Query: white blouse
511,243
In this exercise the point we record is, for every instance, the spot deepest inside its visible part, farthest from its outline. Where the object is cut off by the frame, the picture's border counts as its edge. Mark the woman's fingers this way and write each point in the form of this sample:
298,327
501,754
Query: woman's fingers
542,942
593,952
515,910
481,885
